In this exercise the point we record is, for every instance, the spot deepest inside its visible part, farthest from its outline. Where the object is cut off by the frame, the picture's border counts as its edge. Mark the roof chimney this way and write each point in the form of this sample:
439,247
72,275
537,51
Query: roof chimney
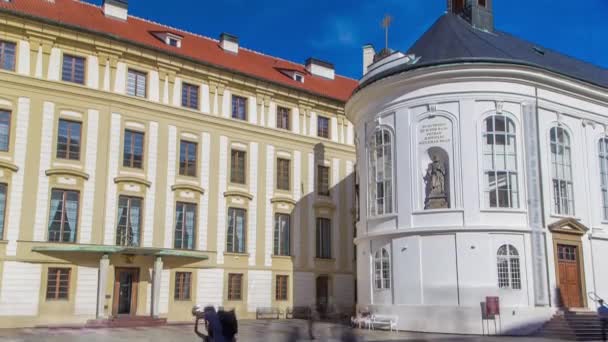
479,13
229,42
368,56
320,68
117,9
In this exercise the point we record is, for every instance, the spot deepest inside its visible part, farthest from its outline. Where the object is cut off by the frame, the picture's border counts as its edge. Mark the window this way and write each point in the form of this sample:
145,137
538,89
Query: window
5,129
283,172
281,287
482,3
7,55
235,284
282,234
187,158
500,162
133,149
323,180
561,171
237,227
381,173
283,115
68,140
185,225
136,83
239,107
2,208
323,238
63,220
183,282
58,284
173,42
237,166
603,154
323,127
382,269
73,69
298,78
508,268
190,96
129,218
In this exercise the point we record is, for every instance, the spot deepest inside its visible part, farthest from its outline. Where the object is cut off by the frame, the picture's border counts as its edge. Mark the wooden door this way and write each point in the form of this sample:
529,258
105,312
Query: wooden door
322,293
457,6
126,281
569,276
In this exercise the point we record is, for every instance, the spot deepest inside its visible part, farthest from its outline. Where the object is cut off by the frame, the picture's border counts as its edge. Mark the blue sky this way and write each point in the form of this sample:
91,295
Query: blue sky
335,30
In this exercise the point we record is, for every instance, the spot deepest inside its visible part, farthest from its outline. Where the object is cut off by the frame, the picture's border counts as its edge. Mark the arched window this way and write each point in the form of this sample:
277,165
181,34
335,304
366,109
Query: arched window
381,173
603,154
561,172
382,269
507,263
500,162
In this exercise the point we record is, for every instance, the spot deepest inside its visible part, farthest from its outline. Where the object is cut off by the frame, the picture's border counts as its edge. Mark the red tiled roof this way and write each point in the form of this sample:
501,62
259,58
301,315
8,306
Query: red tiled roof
206,50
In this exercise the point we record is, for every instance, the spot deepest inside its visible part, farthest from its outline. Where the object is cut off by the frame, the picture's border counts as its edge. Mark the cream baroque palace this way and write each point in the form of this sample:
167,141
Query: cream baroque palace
144,169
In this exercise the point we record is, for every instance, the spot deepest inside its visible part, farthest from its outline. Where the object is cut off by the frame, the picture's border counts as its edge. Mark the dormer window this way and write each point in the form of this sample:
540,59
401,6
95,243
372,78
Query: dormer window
169,38
298,77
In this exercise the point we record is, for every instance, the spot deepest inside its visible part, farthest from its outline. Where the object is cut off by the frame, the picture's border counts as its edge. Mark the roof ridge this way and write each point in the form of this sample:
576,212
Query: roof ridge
205,37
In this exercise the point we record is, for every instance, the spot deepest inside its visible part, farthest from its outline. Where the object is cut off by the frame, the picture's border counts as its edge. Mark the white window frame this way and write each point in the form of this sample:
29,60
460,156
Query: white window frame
138,77
511,174
388,202
382,269
508,268
603,161
562,201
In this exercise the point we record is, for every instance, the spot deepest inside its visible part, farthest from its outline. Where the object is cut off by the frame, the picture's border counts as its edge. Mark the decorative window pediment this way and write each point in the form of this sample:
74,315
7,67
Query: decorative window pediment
568,226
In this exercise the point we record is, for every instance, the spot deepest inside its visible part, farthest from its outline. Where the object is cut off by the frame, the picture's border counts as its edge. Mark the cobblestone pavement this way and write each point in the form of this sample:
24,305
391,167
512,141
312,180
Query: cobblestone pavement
266,331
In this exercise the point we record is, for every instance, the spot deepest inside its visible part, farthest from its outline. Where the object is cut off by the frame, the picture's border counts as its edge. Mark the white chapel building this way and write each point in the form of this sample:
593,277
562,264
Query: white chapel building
482,172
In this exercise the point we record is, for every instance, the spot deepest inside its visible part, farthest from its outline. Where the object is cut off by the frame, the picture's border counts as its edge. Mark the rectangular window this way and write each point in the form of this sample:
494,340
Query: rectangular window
282,234
185,225
283,173
187,158
237,166
2,208
73,69
235,284
63,218
323,180
5,129
133,149
190,96
136,83
237,228
281,287
68,140
183,284
58,284
239,108
7,55
283,115
482,3
129,218
323,238
323,127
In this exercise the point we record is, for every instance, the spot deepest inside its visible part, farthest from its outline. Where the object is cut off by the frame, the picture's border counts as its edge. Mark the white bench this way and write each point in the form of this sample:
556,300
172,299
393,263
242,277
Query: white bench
384,320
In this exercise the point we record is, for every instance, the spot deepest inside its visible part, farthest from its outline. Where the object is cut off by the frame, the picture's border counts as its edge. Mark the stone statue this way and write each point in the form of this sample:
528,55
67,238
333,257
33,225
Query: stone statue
435,178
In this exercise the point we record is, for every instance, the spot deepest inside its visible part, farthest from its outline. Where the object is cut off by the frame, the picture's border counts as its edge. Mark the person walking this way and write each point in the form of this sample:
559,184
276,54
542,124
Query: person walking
602,313
212,322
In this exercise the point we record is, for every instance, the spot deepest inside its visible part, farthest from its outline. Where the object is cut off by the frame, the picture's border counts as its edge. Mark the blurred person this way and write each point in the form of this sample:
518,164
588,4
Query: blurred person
602,313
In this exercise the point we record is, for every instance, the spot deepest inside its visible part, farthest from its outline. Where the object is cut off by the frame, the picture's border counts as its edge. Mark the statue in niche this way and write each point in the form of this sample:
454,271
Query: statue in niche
435,179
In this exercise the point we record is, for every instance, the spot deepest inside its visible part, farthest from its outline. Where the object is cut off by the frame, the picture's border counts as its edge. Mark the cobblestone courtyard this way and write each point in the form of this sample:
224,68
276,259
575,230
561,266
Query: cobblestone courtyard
268,331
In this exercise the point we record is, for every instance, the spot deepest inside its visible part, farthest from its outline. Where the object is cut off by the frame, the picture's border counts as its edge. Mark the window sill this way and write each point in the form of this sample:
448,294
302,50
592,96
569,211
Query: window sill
559,216
286,257
236,254
382,217
325,259
503,210
438,211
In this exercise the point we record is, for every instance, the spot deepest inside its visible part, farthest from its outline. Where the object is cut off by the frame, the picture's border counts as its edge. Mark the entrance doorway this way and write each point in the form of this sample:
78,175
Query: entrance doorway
457,6
569,276
125,291
567,237
322,294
